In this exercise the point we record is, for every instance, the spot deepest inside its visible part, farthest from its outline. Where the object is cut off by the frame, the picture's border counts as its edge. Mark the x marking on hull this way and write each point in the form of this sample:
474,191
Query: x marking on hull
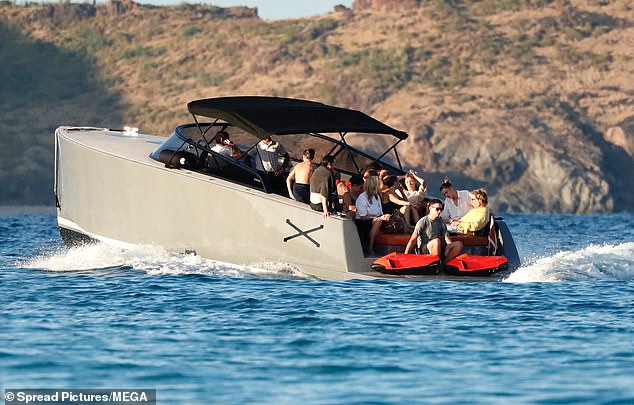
303,233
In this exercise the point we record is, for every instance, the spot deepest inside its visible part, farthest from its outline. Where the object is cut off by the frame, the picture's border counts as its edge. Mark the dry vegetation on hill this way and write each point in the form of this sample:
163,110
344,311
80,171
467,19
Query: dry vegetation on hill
530,99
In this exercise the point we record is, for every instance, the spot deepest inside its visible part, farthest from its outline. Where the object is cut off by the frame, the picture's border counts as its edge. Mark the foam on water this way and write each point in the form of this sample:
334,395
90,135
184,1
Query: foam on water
153,260
594,262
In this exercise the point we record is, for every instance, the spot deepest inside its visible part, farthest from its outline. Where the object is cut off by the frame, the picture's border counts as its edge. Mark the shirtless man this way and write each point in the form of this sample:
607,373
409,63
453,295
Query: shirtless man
300,175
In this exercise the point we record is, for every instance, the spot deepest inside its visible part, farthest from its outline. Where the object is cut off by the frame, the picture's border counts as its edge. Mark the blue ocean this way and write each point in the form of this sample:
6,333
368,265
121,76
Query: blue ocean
559,330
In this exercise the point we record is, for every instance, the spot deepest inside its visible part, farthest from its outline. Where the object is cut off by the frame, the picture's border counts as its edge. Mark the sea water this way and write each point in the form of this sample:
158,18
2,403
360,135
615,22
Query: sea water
559,330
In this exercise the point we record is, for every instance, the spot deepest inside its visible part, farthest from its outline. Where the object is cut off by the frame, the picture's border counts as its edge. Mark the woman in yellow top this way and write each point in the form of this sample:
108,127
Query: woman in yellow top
478,217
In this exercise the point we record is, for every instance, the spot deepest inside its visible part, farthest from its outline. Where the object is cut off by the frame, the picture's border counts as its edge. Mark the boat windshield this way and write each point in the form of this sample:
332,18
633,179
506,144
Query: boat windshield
190,147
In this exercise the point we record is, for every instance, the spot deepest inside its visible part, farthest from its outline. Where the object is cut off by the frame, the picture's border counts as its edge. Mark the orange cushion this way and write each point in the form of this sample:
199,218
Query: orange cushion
399,239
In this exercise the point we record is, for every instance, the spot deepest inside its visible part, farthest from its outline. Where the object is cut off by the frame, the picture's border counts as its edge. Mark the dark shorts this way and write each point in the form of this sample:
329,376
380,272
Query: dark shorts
301,192
317,207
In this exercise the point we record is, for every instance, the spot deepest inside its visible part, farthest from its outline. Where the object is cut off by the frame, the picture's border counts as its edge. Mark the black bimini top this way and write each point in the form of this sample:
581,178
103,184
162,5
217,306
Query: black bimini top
283,116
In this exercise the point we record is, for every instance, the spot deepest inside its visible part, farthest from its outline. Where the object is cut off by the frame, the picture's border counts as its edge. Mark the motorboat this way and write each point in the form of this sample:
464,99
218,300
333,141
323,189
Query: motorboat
125,188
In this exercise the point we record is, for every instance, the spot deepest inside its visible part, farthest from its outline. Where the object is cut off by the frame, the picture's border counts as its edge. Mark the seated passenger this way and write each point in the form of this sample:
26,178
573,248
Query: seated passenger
431,236
224,146
384,191
369,216
457,203
399,203
476,219
342,188
369,172
416,196
298,180
350,197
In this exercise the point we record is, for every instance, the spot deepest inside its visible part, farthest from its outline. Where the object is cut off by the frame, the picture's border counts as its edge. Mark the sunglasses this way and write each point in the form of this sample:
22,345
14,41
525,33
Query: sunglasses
436,208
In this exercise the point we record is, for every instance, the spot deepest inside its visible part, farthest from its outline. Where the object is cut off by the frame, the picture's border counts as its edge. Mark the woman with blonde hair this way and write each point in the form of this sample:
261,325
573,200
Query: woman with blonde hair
370,215
476,219
416,196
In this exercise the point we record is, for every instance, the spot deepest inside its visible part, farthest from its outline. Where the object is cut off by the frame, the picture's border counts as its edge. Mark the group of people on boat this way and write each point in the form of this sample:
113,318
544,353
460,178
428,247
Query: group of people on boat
379,200
376,209
466,211
376,201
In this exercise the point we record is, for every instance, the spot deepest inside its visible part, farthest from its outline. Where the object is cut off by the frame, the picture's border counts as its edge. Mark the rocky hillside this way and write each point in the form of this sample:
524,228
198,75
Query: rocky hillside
534,100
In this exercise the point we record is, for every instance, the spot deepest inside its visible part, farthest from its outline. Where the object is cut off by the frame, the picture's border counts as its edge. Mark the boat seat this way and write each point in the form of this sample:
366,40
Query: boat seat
401,239
178,160
398,239
470,240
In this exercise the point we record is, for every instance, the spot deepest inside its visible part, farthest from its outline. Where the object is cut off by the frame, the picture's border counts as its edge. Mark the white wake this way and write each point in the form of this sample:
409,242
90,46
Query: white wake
153,261
594,262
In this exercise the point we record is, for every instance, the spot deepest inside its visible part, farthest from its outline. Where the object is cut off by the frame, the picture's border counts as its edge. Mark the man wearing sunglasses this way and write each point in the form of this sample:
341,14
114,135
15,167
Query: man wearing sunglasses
430,234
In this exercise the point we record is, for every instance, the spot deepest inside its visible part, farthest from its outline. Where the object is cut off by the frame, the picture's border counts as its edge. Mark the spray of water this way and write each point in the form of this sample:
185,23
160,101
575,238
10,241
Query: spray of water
594,262
153,260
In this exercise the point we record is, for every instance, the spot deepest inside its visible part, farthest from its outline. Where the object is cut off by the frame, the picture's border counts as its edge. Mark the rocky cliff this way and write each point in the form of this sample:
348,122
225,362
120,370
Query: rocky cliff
532,100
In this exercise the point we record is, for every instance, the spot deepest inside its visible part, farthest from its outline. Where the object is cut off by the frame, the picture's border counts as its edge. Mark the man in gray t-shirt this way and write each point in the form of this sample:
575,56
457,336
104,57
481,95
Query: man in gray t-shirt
430,234
428,229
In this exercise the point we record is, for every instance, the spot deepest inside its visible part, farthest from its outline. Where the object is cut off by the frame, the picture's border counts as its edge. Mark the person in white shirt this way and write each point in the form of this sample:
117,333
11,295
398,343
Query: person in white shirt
370,215
457,203
267,154
224,146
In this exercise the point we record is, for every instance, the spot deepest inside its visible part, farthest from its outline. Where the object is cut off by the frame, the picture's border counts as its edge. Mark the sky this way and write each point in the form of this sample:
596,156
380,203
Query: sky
270,9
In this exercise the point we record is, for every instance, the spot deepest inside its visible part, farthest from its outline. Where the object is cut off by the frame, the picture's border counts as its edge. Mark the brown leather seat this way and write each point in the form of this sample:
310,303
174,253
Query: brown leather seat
470,240
401,239
398,239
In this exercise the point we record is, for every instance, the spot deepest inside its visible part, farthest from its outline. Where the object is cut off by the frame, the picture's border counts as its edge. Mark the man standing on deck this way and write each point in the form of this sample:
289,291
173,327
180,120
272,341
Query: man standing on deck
322,187
431,236
267,155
